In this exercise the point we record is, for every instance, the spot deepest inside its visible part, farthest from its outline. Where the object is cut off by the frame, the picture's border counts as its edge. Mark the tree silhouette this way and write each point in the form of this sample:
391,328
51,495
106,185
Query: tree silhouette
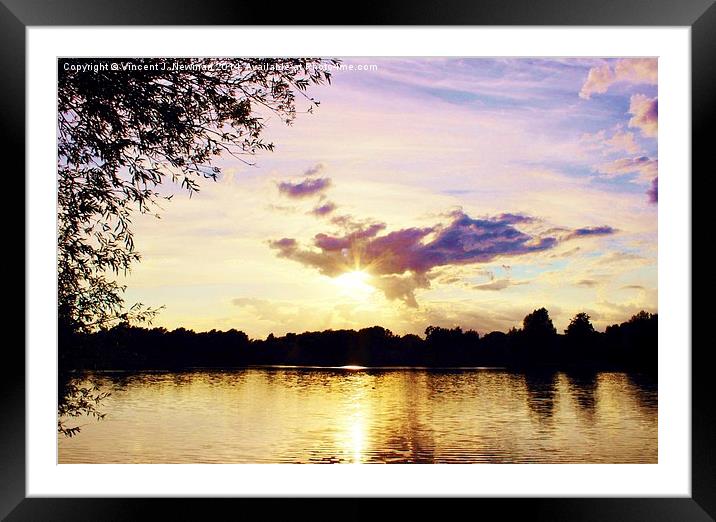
629,346
538,325
124,130
124,127
580,327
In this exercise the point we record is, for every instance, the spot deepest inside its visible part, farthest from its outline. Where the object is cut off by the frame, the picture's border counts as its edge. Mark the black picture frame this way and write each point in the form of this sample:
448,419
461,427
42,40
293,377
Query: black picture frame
699,15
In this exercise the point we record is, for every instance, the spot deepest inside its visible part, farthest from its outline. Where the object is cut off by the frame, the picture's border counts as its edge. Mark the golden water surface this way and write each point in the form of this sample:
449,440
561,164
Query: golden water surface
286,415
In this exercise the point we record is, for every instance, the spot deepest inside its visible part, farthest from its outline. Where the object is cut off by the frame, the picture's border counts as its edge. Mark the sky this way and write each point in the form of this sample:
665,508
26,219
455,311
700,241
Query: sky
425,191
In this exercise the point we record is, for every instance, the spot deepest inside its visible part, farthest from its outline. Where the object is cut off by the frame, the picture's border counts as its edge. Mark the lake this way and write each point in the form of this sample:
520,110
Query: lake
312,415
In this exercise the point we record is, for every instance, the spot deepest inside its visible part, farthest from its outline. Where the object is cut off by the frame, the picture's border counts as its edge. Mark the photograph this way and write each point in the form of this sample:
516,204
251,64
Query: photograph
357,260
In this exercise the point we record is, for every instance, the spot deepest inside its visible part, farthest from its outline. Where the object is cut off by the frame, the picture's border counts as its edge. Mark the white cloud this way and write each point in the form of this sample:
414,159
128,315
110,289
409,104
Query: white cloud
645,114
620,141
628,70
646,168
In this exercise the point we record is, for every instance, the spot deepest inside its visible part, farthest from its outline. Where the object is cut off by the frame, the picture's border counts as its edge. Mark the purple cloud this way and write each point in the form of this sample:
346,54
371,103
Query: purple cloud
514,219
306,188
653,191
332,243
285,243
603,230
315,170
400,260
324,210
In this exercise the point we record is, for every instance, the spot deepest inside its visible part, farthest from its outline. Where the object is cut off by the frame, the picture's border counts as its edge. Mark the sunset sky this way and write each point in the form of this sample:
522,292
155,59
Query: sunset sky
427,192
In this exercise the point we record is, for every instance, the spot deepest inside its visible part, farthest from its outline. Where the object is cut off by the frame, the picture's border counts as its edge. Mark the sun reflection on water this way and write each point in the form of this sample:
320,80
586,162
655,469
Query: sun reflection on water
357,437
361,416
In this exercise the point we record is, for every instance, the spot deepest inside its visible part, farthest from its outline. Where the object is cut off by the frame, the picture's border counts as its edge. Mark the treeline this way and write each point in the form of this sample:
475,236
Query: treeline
631,345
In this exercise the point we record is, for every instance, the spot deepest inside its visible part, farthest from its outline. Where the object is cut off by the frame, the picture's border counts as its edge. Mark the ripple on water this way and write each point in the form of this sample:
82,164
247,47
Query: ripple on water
345,415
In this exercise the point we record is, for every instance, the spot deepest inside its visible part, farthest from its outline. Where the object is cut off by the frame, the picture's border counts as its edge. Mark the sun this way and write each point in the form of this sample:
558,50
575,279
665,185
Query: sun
354,284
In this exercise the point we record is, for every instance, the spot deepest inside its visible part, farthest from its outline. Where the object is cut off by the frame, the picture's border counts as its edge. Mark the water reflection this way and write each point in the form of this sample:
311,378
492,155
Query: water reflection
366,416
541,393
583,388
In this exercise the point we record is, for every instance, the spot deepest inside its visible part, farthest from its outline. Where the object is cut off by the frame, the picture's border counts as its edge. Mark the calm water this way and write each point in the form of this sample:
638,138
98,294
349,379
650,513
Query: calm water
282,415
